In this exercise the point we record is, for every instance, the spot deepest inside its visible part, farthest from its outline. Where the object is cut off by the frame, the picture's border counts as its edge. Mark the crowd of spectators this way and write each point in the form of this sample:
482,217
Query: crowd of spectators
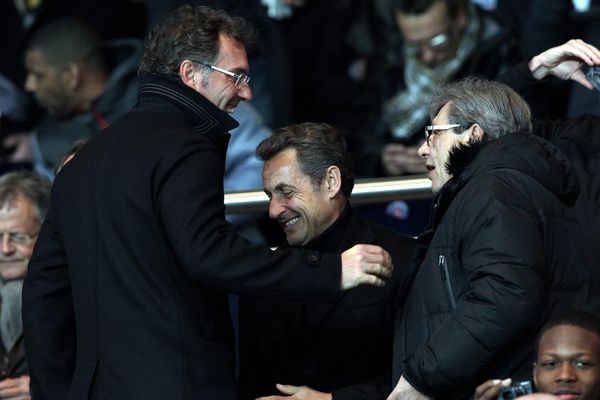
368,69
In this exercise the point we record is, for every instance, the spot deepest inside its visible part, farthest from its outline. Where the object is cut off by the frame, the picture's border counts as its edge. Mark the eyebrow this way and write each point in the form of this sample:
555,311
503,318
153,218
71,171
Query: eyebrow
557,355
283,186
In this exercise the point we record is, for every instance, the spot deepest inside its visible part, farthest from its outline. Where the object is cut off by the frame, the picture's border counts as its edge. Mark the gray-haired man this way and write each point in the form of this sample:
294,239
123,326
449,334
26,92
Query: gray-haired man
499,215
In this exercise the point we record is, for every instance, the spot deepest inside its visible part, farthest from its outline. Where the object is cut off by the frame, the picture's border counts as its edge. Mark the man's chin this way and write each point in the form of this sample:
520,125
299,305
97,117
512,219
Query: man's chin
11,270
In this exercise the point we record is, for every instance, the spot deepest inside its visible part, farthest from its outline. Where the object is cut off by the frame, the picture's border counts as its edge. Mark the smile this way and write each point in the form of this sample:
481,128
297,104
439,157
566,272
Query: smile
290,222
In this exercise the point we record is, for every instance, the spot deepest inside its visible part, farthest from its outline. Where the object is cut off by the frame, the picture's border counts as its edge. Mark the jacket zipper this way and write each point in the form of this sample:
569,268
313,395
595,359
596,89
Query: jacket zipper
446,279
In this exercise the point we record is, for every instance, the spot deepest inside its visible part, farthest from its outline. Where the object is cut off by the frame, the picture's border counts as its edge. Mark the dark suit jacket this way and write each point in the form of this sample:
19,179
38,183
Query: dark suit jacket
123,298
343,347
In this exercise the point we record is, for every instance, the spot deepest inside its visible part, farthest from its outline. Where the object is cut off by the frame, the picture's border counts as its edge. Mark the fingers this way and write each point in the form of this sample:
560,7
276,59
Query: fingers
579,77
288,389
584,51
375,255
490,389
365,264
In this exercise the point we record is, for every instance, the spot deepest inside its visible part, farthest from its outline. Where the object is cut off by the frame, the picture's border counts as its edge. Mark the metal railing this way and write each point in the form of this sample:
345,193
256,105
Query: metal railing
369,191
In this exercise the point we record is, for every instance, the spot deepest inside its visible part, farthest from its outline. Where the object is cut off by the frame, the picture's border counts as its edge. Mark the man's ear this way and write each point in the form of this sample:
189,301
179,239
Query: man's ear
71,76
535,366
477,132
187,73
333,180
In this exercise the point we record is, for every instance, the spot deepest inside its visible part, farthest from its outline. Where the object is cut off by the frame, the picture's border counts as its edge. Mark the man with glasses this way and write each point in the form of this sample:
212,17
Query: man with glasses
492,255
125,296
24,200
442,40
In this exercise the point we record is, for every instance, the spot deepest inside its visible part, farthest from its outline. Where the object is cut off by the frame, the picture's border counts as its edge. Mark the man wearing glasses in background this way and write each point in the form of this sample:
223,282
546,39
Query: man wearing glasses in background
442,41
125,296
493,254
24,200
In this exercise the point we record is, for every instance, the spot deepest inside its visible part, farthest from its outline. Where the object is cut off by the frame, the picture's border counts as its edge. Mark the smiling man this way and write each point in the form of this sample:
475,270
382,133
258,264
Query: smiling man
493,246
24,200
343,348
567,363
125,296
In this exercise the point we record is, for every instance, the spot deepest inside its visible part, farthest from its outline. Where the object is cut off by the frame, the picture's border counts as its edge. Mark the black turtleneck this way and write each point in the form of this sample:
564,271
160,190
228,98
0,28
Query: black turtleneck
331,239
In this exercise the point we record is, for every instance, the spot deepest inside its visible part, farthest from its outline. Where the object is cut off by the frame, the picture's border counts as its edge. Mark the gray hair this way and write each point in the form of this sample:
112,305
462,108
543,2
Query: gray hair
33,186
494,106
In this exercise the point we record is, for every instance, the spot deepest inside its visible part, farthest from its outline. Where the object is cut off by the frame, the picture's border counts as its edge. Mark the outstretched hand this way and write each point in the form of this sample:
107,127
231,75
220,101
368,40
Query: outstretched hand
365,263
298,393
565,61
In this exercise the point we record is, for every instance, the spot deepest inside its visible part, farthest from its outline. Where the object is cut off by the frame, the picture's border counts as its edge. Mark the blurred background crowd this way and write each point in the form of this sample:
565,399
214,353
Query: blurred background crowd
367,67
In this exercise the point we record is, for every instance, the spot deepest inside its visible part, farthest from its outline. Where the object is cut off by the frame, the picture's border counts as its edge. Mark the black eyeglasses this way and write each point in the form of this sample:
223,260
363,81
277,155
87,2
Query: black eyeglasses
238,78
435,129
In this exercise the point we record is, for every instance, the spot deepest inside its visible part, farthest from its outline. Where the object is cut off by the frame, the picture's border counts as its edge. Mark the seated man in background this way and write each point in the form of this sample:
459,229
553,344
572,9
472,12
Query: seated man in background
567,360
82,84
343,347
493,248
443,40
24,200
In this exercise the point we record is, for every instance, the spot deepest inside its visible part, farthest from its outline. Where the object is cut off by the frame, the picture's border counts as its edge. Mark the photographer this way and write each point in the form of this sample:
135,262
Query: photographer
567,360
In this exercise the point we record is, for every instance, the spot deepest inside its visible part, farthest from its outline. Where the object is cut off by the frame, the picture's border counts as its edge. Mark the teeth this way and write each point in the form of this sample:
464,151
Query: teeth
229,110
291,221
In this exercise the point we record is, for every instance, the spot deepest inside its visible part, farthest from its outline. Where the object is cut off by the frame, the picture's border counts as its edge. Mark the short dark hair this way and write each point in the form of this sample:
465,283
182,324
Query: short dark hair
318,146
190,32
68,40
33,186
498,109
417,7
579,318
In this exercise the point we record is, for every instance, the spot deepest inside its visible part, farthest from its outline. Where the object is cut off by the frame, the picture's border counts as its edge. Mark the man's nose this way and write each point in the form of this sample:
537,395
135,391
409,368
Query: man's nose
245,92
6,246
423,151
276,208
566,373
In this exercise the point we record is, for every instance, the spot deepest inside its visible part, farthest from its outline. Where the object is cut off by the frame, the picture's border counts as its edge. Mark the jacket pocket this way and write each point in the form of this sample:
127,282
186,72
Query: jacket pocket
445,274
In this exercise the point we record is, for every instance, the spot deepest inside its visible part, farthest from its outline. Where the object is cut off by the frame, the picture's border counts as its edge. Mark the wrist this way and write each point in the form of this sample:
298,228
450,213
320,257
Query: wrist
537,69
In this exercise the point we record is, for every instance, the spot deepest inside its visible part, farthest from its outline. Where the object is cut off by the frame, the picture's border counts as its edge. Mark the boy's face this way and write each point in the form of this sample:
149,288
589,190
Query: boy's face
568,363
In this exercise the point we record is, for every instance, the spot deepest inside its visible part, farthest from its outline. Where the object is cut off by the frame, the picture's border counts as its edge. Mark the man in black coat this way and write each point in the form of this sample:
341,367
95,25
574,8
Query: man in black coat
124,298
493,250
308,176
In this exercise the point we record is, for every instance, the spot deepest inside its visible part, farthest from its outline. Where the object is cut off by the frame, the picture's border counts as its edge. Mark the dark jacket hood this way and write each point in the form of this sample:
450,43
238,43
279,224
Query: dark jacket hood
528,154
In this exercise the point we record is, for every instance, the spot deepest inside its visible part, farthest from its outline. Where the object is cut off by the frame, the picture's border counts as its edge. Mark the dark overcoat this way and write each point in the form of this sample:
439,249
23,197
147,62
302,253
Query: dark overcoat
124,294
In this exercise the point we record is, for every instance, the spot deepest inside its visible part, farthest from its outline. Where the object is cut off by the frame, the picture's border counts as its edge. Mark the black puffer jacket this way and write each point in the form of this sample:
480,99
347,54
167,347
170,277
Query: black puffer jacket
489,259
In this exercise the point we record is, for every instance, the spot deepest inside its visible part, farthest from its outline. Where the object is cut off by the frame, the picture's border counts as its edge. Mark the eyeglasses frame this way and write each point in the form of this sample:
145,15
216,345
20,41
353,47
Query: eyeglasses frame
26,238
238,77
431,130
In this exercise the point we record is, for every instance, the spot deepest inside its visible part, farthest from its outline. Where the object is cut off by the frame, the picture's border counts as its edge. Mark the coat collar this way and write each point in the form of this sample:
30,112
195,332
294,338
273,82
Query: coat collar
528,154
348,230
184,102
